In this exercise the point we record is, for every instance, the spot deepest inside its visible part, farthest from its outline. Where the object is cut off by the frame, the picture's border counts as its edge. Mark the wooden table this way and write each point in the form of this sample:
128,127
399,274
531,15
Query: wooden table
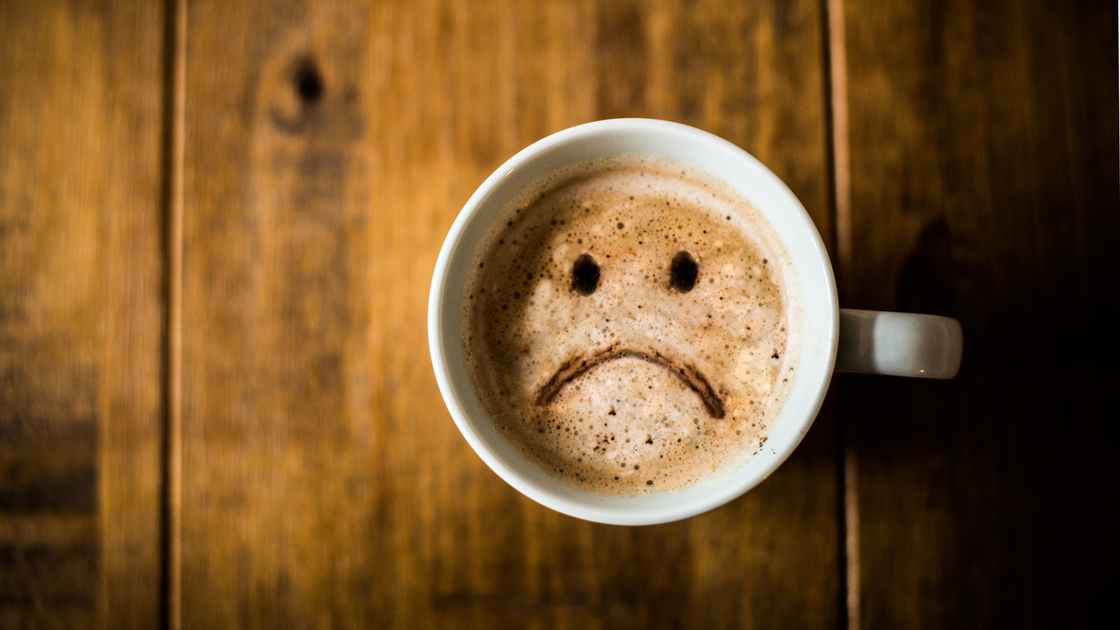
218,223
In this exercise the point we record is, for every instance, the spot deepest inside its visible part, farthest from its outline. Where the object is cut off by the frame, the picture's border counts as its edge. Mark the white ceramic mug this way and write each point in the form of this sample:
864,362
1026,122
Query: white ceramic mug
831,338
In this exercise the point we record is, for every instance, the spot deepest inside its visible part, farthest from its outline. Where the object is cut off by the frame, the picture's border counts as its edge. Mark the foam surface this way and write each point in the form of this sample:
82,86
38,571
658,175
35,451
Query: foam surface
636,387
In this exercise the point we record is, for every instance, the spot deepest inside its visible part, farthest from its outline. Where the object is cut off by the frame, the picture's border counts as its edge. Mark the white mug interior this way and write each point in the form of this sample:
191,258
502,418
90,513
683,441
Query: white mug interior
750,178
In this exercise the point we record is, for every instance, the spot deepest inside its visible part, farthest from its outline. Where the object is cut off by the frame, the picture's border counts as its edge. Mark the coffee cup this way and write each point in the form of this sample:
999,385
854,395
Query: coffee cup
829,338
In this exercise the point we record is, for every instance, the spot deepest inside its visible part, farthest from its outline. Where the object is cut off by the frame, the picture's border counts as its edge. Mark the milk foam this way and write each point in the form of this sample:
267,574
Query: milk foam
636,388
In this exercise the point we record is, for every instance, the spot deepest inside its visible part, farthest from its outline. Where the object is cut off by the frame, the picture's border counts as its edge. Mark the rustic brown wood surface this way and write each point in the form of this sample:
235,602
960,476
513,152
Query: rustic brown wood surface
984,161
328,146
81,299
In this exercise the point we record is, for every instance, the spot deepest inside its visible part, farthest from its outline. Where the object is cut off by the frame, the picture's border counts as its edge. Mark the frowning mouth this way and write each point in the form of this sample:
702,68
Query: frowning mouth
580,365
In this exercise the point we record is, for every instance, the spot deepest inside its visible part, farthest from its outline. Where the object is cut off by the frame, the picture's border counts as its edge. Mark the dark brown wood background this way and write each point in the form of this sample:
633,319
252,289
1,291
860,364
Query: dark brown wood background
218,223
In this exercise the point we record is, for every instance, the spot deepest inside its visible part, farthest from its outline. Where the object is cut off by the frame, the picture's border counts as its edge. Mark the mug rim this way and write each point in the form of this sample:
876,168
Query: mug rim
602,508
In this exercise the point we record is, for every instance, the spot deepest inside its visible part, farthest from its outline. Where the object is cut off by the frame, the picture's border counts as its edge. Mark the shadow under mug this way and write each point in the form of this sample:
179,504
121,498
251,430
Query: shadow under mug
831,338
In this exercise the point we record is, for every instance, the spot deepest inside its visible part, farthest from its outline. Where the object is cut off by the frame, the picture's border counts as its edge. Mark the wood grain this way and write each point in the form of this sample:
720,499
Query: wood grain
984,178
80,314
329,147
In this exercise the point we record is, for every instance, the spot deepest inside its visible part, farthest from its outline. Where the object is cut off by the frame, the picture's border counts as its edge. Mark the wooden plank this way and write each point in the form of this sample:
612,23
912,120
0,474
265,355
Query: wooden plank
984,162
329,147
80,314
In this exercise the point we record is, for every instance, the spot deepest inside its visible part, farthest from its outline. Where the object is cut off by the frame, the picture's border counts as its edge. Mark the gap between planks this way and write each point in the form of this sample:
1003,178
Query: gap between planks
174,144
841,205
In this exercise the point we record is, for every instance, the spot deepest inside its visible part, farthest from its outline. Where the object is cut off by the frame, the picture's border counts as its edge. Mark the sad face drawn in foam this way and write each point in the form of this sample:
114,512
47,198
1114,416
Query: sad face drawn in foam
626,326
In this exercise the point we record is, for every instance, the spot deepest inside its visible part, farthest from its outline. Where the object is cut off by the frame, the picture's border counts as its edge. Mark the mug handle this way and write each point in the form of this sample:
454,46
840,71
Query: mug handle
899,344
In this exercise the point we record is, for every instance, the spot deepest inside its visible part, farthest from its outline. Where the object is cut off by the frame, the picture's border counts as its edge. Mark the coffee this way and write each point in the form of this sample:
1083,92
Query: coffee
628,325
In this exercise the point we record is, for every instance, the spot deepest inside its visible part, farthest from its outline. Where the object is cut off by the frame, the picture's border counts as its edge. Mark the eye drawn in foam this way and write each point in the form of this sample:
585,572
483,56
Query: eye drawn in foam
636,387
